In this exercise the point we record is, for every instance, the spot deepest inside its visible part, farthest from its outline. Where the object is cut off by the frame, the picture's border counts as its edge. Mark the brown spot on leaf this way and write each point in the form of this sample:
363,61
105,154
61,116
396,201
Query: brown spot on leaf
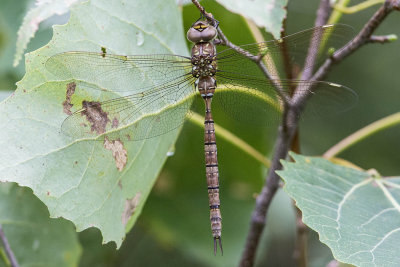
118,151
97,118
120,184
67,103
114,123
130,207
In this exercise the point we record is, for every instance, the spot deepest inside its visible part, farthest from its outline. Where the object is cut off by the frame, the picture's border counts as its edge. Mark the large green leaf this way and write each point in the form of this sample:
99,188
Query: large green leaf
35,239
83,181
268,14
356,213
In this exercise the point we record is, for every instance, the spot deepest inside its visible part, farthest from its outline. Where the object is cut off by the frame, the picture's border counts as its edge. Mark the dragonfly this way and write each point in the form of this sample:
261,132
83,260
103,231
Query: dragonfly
156,91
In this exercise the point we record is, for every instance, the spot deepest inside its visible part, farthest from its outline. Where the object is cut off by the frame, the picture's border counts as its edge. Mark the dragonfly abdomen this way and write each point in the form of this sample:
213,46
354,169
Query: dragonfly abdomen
212,174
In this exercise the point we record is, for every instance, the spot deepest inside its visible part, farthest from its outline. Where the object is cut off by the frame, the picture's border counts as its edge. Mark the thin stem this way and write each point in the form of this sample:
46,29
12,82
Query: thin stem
256,59
285,54
287,131
323,12
255,31
300,253
359,7
361,39
7,248
301,248
324,9
383,38
367,131
322,16
233,139
337,14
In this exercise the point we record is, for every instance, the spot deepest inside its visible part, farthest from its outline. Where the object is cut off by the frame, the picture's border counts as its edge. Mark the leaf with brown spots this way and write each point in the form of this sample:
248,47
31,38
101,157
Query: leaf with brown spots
67,103
83,178
118,151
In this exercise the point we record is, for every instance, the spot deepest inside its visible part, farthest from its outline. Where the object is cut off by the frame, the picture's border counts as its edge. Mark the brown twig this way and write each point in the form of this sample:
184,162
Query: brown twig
321,19
362,38
7,248
286,133
323,12
285,53
256,59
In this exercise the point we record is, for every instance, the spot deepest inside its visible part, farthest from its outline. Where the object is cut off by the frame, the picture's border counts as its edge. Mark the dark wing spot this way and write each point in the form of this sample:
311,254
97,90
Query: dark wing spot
97,118
67,103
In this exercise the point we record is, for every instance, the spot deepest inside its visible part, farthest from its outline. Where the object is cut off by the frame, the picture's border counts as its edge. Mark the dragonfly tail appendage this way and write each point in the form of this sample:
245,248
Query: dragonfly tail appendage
216,247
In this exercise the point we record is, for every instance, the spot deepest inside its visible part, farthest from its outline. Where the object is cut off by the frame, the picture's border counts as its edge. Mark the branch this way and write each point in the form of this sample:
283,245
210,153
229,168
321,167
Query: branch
287,64
287,130
322,17
291,114
256,59
300,253
268,191
362,38
382,38
7,248
323,12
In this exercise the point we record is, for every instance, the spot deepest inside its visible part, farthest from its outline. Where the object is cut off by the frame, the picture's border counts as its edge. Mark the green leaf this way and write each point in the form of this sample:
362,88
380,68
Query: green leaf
355,213
35,239
10,20
80,180
268,14
42,11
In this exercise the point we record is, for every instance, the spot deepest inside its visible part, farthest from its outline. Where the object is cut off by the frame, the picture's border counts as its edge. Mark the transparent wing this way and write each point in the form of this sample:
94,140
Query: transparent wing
254,101
119,73
291,49
134,117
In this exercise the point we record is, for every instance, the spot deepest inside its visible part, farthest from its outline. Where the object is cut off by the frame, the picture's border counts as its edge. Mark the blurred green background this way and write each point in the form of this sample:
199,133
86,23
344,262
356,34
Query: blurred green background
173,229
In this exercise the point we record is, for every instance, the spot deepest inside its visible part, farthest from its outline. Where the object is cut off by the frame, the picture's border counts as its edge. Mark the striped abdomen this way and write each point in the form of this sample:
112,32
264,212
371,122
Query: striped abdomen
206,88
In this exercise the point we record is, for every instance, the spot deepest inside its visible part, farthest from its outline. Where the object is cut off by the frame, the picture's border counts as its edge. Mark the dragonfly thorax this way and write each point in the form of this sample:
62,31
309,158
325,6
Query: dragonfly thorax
203,60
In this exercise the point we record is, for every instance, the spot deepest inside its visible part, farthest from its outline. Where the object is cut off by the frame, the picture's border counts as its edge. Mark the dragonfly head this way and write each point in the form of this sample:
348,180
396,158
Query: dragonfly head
201,31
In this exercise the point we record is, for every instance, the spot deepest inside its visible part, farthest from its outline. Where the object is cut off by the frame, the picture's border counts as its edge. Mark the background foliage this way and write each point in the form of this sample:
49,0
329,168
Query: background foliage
173,228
